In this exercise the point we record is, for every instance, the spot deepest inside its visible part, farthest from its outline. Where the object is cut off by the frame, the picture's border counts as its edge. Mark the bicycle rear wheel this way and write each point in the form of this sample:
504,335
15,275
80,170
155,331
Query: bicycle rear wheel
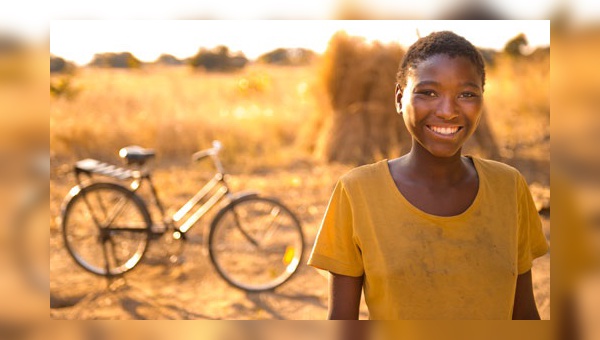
256,243
106,228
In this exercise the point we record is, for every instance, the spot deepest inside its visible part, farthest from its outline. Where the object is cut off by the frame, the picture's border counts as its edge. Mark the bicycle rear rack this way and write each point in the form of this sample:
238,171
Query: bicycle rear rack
90,166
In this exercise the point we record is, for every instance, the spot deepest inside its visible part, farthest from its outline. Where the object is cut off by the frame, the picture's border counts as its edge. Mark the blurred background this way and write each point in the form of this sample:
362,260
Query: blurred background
283,119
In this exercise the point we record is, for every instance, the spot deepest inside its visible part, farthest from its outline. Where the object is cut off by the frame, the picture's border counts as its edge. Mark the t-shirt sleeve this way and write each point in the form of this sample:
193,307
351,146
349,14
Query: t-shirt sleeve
531,239
335,248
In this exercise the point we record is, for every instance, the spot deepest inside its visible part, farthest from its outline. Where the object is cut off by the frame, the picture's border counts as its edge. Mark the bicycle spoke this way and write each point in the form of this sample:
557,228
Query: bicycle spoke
91,210
241,228
120,205
135,228
270,229
106,260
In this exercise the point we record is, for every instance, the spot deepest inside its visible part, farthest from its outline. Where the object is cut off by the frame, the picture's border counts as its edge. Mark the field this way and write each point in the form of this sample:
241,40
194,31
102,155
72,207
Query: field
178,111
262,115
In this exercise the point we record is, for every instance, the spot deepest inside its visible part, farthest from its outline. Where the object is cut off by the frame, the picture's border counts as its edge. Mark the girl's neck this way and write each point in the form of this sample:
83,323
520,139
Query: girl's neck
421,166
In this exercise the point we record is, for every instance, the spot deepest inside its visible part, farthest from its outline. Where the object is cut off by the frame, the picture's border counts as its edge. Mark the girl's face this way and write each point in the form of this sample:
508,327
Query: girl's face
441,103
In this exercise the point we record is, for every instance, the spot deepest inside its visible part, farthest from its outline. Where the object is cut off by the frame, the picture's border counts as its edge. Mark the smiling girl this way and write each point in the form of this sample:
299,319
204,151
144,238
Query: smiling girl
433,234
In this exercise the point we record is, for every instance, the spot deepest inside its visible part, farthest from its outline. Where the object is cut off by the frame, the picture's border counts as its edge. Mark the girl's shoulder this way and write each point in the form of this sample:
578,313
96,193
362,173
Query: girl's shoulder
495,169
500,176
365,174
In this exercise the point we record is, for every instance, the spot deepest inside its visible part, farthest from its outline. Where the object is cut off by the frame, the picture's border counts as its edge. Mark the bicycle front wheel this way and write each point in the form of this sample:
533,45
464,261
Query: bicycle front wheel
106,228
256,243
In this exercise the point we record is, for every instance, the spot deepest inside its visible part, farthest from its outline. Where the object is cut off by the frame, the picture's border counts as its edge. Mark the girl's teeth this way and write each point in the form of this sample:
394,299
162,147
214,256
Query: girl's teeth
445,130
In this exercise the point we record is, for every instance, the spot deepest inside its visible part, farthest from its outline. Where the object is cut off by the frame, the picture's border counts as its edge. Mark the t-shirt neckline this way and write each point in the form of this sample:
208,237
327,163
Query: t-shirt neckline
405,201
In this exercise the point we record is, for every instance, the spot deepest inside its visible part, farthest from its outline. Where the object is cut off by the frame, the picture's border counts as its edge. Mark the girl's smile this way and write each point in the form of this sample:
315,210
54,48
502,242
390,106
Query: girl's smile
444,131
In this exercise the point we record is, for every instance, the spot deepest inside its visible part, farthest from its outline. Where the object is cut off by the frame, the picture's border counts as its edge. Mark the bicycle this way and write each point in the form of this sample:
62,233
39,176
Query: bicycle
255,243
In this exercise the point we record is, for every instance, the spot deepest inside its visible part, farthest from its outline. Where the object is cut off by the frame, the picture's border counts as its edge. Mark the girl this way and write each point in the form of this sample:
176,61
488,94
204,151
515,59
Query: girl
433,234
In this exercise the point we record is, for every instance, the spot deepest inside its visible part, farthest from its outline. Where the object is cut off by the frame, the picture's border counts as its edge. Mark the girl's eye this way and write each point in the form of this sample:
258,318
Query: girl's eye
468,95
428,93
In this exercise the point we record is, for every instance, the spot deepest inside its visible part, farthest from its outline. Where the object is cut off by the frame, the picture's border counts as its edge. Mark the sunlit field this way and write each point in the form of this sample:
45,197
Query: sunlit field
256,113
263,115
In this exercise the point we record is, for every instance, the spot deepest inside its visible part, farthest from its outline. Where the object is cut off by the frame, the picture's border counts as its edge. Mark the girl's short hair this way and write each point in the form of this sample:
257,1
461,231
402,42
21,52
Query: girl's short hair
443,42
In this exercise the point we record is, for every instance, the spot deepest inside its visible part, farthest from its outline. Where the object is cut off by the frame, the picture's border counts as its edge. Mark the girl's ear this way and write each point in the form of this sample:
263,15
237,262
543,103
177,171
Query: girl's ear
398,99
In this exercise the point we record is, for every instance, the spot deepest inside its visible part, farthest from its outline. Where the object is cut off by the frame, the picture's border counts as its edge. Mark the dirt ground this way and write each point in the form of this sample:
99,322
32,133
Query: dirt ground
157,289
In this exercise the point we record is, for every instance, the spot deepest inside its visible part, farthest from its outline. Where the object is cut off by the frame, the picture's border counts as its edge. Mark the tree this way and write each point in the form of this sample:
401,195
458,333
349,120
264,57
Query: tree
167,59
287,56
514,46
116,60
277,56
218,59
60,65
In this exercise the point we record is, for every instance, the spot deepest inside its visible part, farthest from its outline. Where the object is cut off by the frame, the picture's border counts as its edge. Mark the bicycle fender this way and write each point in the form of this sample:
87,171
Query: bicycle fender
242,194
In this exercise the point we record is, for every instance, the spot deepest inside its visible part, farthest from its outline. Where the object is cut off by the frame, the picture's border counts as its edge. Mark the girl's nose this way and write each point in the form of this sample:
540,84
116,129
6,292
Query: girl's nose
447,109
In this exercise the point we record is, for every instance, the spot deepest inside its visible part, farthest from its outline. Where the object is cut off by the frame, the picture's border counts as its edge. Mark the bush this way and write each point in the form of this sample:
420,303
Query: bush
116,60
60,65
218,60
513,46
288,56
167,59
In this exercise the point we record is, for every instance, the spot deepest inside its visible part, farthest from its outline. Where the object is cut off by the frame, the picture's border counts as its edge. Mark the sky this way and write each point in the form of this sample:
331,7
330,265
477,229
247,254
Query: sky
79,40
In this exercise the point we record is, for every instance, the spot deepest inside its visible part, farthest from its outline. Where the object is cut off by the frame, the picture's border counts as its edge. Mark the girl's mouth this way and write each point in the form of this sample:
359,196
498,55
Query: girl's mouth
446,131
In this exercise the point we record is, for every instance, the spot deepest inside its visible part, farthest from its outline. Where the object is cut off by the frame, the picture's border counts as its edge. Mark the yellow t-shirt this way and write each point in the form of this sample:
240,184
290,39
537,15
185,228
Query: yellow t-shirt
421,266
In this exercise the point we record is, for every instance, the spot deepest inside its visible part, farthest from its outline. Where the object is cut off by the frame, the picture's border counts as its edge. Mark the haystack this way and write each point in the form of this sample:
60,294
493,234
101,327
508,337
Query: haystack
360,124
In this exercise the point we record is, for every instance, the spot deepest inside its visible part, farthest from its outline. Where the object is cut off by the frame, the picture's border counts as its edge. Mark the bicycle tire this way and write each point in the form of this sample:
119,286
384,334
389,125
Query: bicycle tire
101,246
256,267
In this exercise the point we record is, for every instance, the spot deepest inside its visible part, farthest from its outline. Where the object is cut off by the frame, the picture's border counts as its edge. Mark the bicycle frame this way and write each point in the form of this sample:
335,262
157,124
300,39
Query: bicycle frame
204,192
113,199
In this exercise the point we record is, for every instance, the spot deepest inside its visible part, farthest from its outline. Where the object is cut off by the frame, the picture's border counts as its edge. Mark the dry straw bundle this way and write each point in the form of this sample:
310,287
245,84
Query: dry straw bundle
358,79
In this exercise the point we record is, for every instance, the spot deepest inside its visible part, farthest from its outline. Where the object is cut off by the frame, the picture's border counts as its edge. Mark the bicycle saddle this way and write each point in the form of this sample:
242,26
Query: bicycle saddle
136,154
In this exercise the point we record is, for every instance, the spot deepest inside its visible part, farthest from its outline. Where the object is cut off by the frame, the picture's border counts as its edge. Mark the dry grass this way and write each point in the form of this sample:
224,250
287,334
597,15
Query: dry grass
517,96
255,113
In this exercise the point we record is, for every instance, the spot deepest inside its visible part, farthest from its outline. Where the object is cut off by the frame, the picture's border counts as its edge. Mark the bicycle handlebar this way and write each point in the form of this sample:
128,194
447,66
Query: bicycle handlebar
213,153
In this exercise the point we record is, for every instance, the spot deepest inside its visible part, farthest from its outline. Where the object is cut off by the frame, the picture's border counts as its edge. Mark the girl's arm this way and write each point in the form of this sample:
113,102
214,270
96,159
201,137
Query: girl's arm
344,296
524,305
